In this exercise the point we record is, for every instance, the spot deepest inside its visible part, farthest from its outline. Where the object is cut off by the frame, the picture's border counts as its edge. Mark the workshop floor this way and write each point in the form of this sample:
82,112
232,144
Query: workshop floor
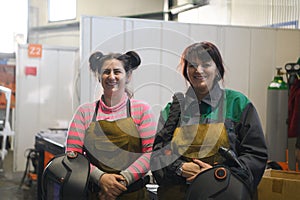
10,182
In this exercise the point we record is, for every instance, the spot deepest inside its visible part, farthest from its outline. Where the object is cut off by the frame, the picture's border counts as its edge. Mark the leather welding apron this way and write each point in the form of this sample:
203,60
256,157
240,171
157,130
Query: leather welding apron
112,146
200,141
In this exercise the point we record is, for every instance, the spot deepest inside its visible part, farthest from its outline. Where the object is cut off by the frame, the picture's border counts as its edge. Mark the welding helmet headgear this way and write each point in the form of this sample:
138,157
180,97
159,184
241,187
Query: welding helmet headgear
218,183
66,177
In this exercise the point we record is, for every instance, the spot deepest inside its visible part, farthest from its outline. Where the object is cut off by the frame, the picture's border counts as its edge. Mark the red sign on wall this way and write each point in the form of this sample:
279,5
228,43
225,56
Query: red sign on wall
29,70
35,50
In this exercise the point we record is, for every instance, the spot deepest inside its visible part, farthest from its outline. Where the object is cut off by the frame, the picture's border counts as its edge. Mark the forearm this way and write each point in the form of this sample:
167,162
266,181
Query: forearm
137,169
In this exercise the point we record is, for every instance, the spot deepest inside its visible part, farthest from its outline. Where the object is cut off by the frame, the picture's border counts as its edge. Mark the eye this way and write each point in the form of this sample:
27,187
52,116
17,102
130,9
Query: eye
106,71
206,65
117,71
192,64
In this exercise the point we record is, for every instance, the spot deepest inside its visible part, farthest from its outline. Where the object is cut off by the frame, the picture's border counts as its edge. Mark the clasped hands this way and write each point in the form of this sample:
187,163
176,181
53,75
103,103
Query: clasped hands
191,169
112,185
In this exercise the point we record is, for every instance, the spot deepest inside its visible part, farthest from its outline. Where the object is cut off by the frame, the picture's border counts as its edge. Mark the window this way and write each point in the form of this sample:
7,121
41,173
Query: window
60,10
13,20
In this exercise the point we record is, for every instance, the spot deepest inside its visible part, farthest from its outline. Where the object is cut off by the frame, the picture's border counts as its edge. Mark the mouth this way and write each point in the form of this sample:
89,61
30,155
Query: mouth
200,77
111,84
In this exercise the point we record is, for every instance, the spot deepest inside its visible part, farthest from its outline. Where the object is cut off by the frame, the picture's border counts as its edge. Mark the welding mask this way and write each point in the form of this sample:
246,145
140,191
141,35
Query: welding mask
66,177
218,183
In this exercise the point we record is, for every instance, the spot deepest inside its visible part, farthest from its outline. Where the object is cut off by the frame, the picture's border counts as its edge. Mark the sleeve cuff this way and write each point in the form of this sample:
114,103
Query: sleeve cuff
129,178
96,175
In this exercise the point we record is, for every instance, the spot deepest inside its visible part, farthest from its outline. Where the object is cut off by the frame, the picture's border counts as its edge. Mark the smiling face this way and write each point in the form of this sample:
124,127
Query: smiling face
113,78
202,66
202,75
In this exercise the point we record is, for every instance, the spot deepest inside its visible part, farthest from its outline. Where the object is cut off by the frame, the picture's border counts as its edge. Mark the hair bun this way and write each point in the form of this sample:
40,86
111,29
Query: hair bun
94,60
134,59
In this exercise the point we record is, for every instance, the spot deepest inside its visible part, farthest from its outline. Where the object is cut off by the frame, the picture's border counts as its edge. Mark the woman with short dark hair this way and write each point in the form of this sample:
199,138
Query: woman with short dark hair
197,129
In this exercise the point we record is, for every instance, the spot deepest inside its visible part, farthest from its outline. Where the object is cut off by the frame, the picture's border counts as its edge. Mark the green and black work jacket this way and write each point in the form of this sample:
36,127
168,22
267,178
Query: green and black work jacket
230,107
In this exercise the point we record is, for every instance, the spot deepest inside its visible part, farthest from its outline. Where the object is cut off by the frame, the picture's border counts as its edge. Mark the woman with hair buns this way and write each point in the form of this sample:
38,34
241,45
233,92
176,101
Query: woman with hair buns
115,132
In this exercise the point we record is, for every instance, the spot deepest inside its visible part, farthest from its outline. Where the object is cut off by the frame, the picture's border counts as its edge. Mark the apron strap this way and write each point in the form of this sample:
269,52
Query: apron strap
128,108
97,107
96,110
221,108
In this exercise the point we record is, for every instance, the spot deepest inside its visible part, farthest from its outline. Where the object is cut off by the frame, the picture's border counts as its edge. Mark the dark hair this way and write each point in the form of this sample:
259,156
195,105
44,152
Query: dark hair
131,60
205,51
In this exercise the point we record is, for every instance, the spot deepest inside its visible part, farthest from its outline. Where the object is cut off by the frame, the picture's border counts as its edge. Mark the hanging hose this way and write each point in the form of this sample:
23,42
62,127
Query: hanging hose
33,157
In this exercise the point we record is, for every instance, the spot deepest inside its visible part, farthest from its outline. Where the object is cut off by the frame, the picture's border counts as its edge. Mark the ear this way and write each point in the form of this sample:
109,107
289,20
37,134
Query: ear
128,77
218,75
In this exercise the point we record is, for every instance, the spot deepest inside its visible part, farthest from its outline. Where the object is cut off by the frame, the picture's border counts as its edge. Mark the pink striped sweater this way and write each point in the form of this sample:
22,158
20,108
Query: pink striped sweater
142,116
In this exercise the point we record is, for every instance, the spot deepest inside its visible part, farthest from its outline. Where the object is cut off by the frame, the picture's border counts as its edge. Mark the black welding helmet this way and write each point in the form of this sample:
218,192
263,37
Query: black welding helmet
66,177
218,183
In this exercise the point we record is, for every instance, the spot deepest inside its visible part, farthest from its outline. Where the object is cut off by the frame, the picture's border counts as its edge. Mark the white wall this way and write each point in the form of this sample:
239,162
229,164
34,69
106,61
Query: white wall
66,33
46,100
118,7
39,9
218,12
250,55
256,13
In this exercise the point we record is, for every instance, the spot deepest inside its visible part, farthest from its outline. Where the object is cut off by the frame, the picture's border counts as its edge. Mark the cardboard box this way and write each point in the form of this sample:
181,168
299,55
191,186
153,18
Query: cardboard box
279,185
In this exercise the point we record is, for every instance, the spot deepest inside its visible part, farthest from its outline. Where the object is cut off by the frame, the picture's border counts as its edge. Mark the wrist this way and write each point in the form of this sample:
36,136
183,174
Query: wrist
178,170
127,177
123,182
100,179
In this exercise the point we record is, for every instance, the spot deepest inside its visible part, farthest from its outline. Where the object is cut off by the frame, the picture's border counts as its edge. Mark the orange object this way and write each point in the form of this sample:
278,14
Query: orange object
7,79
47,157
32,176
297,167
35,50
284,166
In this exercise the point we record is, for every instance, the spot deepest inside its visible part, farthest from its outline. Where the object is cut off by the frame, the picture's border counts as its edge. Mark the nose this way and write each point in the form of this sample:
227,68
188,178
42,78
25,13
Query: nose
111,75
199,68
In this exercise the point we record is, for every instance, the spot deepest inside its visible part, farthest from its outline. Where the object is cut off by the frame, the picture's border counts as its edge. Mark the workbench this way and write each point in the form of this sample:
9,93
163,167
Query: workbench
48,144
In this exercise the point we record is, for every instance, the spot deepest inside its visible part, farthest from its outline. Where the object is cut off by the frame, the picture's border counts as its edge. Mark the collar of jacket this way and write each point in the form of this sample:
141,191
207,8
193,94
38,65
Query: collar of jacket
212,99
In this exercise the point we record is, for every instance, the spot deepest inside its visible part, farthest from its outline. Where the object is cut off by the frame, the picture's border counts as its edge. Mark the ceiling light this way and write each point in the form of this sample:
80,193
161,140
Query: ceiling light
178,9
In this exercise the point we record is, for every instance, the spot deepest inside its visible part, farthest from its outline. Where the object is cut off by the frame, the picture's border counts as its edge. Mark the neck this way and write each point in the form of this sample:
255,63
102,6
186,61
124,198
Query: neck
200,92
200,95
112,100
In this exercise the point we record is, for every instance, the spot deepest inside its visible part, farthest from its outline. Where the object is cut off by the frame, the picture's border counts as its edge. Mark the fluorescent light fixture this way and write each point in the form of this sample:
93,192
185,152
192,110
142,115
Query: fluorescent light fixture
190,4
181,8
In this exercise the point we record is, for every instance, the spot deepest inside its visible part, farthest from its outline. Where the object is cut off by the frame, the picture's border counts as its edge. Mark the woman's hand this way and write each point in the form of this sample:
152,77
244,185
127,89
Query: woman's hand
191,169
110,186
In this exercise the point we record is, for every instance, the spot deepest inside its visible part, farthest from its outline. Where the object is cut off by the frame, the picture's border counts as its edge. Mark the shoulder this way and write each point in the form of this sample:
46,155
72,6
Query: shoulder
137,103
233,96
236,104
178,99
87,107
165,111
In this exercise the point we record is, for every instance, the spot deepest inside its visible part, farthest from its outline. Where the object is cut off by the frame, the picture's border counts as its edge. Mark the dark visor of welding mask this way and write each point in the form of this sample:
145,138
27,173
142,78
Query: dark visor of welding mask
66,177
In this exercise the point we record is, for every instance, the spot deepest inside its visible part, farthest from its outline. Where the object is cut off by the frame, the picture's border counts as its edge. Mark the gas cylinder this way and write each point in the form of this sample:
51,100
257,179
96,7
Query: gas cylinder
276,121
